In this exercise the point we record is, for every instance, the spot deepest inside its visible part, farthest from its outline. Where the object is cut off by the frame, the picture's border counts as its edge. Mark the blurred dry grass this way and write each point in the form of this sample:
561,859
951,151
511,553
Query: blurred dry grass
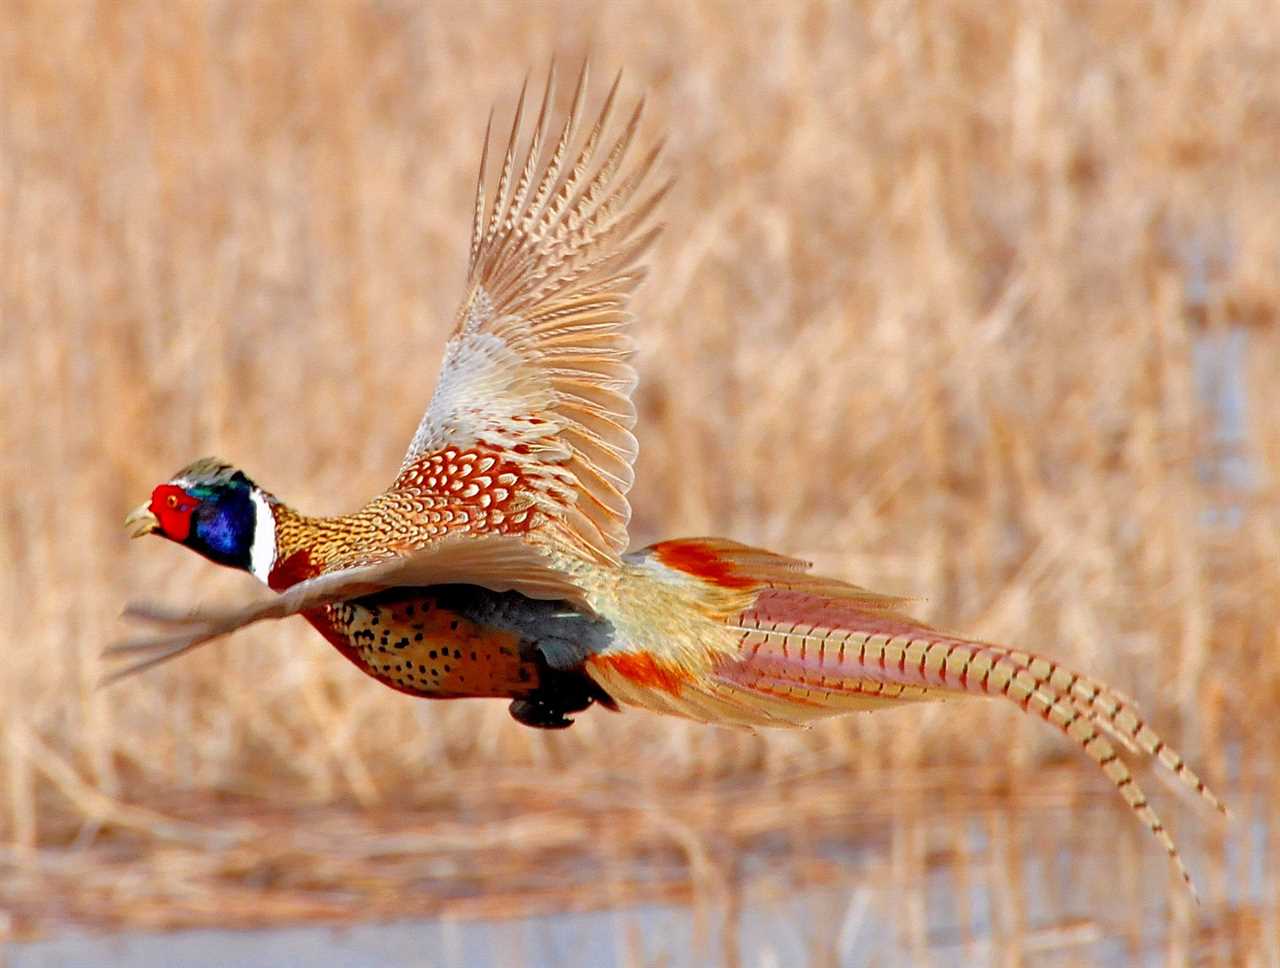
926,312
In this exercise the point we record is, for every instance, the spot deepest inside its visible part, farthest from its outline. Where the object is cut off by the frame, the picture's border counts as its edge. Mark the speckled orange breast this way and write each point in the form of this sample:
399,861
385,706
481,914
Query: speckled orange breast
406,640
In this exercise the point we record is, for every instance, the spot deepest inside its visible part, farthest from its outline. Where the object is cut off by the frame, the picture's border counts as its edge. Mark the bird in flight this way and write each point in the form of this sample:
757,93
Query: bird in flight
496,563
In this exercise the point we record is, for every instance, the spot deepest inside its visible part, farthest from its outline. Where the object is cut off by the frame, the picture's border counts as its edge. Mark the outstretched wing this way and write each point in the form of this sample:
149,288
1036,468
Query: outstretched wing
537,371
496,562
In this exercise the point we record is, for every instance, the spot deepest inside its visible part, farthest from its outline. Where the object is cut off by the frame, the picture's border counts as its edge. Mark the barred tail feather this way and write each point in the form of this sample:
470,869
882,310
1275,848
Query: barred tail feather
1119,717
841,669
809,647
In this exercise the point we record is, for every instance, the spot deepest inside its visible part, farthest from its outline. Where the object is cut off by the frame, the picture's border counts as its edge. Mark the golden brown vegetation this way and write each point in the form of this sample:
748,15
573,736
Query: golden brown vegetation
928,312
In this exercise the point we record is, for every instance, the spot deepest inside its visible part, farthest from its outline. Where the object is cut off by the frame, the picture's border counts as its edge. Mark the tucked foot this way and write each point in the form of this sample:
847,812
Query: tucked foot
540,714
559,692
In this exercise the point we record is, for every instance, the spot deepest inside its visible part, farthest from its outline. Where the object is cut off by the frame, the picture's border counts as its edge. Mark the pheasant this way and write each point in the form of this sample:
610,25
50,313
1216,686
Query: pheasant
496,563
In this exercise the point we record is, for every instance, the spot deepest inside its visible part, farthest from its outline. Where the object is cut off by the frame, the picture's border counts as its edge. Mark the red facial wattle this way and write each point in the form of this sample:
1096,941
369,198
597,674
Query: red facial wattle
173,508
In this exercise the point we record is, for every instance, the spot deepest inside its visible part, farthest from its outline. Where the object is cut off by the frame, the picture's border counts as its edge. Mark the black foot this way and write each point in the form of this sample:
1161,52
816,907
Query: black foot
559,693
540,714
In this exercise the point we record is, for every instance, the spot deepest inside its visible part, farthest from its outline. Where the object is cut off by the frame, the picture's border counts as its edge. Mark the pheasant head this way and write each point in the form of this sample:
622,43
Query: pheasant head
214,509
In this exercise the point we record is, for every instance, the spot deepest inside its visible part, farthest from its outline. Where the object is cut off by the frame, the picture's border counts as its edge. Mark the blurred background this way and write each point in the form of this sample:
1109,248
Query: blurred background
975,302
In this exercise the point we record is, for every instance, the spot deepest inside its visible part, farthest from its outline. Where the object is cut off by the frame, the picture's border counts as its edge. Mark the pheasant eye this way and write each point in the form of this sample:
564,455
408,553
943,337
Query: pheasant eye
172,501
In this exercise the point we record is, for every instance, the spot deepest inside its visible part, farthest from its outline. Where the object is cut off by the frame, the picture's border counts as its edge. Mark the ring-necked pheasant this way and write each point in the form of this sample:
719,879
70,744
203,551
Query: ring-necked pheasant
496,563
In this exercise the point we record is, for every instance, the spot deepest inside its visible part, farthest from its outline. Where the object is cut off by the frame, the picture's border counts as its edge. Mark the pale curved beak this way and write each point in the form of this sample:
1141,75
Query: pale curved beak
141,521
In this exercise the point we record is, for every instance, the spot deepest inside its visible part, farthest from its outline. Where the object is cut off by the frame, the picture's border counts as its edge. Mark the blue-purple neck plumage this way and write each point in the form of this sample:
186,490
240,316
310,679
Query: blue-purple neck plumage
215,510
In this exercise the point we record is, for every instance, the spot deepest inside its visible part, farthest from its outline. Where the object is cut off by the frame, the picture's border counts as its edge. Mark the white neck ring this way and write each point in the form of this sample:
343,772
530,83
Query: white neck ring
262,554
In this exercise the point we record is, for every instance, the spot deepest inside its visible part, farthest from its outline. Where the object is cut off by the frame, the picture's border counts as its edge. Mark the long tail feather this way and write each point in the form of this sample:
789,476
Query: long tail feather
827,666
808,647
